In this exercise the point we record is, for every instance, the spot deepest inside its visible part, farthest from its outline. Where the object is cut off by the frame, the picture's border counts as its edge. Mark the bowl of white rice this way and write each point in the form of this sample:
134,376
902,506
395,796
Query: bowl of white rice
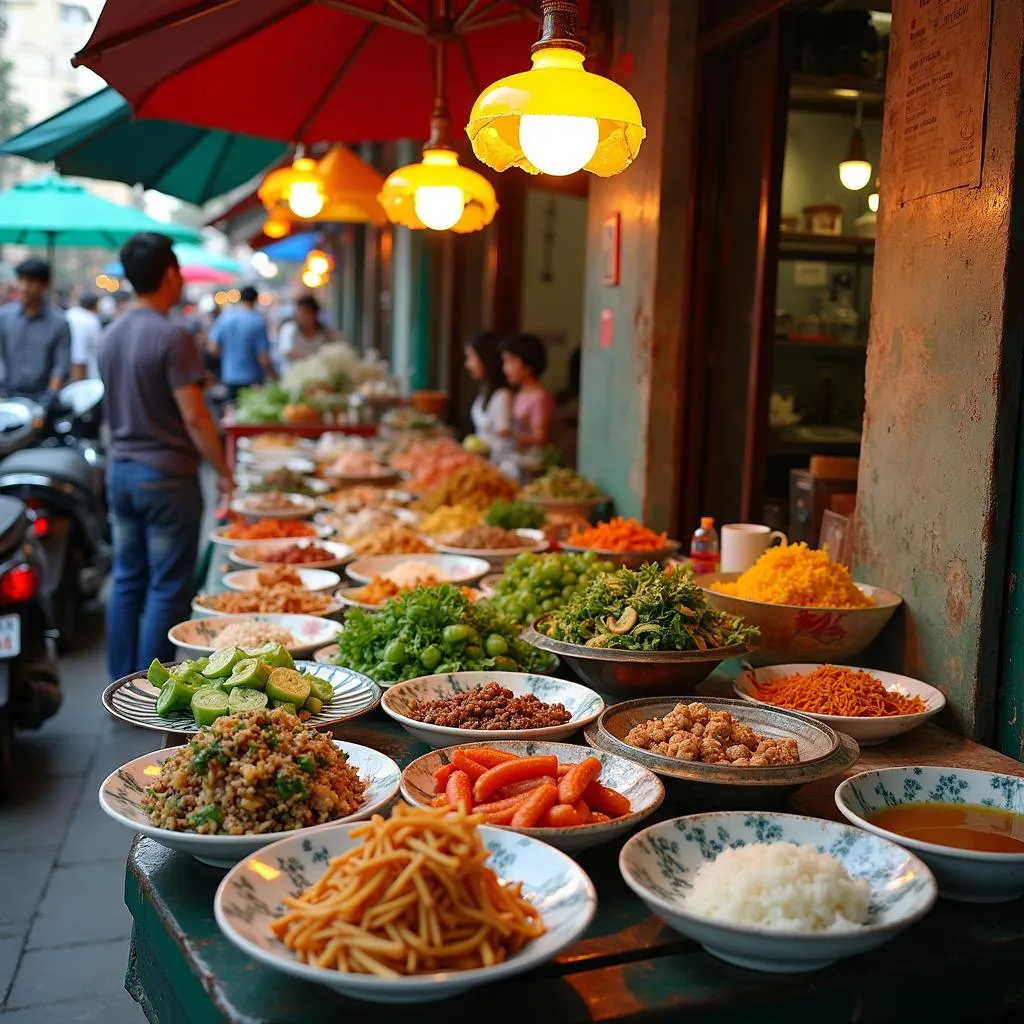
301,634
776,892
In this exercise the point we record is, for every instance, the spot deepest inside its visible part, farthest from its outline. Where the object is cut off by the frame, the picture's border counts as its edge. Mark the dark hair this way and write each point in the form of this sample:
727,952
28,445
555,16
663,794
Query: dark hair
33,270
530,349
309,302
89,300
485,345
249,294
146,258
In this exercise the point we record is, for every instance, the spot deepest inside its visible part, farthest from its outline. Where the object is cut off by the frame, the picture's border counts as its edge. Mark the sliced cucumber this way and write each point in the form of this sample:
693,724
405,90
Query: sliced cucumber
200,664
222,662
208,704
251,672
321,689
290,708
244,698
175,695
289,686
156,673
313,705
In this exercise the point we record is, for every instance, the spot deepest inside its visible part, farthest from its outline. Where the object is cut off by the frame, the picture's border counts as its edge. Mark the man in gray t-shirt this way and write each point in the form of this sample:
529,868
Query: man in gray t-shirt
159,428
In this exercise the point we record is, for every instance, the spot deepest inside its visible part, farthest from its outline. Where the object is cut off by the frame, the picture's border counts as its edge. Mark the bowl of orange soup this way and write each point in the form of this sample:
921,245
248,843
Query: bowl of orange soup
967,826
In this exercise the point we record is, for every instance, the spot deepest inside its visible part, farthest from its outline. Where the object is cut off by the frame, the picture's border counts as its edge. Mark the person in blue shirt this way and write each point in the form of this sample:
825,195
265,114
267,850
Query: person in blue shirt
239,338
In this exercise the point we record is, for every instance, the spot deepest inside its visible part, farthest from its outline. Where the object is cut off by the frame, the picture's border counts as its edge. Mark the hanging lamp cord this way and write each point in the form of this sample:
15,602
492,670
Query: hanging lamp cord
560,26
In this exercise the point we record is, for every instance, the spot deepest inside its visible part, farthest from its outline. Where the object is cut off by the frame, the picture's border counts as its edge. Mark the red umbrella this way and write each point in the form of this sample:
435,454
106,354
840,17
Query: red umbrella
306,70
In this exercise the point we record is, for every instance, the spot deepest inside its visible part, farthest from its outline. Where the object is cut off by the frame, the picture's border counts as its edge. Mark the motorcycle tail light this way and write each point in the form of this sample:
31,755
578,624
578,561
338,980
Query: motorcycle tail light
19,584
41,526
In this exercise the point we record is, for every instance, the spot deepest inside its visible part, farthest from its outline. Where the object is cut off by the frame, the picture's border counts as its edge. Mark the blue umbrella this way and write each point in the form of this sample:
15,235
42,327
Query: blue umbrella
294,248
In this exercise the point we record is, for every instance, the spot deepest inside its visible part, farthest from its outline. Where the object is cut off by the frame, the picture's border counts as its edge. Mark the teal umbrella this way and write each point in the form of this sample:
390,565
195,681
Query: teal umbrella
191,256
56,213
97,137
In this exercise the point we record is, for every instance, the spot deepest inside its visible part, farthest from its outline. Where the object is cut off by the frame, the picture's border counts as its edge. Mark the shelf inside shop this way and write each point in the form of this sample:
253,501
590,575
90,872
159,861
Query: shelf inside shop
842,346
802,245
839,94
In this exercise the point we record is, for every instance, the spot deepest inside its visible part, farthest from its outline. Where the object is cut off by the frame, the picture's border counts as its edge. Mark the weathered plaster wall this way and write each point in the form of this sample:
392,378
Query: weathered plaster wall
942,392
628,436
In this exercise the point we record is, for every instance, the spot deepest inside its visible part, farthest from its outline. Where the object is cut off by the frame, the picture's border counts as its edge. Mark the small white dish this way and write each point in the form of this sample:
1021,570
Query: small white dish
659,864
254,554
581,702
866,731
312,579
251,894
317,532
123,795
330,611
534,542
457,569
638,784
267,463
301,506
264,447
970,876
197,637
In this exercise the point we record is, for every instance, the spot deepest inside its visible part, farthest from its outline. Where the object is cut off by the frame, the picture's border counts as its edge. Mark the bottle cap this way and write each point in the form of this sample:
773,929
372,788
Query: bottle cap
706,522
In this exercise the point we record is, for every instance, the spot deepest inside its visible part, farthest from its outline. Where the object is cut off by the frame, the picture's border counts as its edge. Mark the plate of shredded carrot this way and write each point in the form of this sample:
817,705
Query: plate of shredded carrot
868,705
622,541
241,532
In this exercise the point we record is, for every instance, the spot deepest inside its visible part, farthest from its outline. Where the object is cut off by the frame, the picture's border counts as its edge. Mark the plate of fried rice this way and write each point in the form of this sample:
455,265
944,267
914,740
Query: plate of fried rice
245,782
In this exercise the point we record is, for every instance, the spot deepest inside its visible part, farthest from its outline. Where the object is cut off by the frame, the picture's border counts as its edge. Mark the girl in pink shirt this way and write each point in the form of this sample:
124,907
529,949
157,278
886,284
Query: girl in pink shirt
534,415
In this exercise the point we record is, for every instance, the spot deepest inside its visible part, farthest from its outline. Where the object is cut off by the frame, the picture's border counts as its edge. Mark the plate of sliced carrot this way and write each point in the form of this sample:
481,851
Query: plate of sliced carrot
624,542
566,794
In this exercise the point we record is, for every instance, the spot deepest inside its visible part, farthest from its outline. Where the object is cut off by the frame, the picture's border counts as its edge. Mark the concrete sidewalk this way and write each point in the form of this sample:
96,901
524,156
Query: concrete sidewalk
64,927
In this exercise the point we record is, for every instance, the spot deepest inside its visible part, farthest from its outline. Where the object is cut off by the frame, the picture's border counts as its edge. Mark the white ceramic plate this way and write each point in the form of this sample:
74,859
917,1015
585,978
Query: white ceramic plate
378,479
582,703
123,794
252,554
312,579
197,637
659,864
267,463
133,699
972,876
319,532
302,506
251,895
533,541
283,447
450,568
640,785
331,611
866,731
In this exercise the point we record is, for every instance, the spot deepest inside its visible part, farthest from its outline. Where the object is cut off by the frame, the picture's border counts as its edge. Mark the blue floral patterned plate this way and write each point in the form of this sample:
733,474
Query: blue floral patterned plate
659,863
251,895
123,794
583,704
638,784
968,875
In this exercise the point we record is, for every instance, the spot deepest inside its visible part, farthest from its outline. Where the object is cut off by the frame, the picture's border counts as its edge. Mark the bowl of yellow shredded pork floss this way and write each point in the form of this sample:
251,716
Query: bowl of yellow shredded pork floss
807,606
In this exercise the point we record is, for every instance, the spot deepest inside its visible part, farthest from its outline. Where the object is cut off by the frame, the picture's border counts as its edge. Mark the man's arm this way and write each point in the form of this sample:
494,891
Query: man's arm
213,339
263,354
203,431
61,360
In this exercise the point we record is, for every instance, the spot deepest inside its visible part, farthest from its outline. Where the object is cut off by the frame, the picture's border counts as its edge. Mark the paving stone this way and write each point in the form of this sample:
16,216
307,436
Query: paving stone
93,835
54,754
39,812
72,975
23,878
113,1009
83,903
10,950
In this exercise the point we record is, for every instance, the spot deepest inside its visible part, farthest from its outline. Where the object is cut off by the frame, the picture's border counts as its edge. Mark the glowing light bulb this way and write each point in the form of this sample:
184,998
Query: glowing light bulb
306,199
318,263
558,144
854,174
873,202
311,279
274,228
439,206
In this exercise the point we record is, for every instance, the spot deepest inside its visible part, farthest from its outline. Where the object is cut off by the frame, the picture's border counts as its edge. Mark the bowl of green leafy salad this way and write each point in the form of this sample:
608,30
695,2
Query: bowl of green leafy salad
636,632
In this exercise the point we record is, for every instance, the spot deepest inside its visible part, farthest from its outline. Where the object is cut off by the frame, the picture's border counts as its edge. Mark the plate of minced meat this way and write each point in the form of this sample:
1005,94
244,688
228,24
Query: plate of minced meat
245,782
442,710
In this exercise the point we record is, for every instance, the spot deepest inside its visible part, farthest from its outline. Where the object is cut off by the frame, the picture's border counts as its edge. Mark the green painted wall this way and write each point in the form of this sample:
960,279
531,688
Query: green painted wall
630,390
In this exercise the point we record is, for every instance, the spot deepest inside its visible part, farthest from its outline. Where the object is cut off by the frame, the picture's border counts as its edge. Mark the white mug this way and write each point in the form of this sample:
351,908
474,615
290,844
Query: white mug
744,543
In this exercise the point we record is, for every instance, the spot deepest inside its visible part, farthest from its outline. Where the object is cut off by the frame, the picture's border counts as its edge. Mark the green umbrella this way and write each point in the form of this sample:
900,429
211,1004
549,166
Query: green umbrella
97,137
56,213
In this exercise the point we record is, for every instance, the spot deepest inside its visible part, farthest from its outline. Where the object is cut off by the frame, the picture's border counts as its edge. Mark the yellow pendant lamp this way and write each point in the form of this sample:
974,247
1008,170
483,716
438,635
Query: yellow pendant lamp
438,193
300,186
557,118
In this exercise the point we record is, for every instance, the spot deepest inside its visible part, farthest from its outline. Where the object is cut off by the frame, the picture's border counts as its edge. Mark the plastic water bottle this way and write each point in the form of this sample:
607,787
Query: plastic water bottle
704,547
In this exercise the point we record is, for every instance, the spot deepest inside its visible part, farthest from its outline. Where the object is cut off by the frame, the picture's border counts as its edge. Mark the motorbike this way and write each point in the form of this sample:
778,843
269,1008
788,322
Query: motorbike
51,459
29,679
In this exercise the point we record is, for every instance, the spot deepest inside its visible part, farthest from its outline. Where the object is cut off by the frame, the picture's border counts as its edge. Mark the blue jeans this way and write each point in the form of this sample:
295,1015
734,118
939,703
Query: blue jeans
156,520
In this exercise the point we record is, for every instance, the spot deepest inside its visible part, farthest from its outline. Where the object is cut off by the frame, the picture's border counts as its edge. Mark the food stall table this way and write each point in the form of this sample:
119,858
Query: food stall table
960,963
233,430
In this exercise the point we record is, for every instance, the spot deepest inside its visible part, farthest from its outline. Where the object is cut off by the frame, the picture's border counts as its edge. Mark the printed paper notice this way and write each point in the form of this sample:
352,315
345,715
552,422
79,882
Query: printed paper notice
942,60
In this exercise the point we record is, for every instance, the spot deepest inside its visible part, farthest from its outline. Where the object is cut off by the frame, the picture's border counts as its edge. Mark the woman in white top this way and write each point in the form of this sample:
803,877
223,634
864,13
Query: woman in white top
492,407
305,333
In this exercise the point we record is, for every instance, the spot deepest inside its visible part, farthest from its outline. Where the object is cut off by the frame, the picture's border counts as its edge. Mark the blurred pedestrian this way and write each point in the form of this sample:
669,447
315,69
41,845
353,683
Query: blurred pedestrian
35,341
239,338
159,428
305,333
534,413
86,328
491,411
